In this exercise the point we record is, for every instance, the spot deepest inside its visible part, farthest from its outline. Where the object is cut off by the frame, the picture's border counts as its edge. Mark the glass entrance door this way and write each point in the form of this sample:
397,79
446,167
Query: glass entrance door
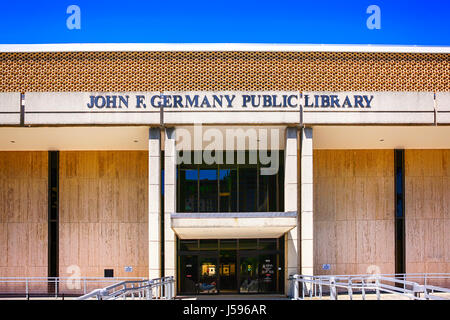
248,282
268,273
208,274
212,266
227,271
189,279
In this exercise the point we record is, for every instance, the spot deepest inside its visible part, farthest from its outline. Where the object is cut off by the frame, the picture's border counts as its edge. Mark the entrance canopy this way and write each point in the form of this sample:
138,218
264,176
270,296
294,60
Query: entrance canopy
233,224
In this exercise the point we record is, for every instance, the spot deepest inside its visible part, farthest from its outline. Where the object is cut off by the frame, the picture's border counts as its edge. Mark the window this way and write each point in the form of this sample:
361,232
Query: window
399,159
188,191
208,185
248,182
53,213
229,188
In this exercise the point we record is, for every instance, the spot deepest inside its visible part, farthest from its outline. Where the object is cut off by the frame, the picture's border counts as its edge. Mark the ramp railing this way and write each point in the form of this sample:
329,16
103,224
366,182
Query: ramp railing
371,286
55,286
159,288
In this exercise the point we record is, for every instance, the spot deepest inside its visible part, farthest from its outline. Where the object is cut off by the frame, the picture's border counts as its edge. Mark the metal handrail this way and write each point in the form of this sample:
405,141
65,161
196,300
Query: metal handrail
386,283
26,286
163,287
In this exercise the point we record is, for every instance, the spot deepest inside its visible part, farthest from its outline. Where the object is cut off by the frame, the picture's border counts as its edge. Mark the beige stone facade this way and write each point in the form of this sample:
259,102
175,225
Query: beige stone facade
339,193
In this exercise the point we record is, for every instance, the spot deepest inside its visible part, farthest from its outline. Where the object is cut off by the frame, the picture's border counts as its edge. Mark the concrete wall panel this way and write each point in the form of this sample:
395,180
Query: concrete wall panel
353,211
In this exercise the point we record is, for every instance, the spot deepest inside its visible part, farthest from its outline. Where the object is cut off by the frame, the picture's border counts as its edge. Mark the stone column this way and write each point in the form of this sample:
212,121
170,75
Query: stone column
154,203
170,167
306,215
291,203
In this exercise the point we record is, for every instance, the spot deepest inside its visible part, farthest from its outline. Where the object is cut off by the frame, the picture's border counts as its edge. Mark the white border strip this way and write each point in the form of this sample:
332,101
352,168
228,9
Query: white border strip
255,47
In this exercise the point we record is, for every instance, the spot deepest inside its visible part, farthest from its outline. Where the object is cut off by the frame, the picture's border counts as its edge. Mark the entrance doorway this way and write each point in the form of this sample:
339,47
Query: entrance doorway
249,274
230,266
227,271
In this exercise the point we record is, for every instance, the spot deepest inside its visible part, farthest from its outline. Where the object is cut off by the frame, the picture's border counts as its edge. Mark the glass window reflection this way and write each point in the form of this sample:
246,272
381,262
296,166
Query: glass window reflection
188,193
229,188
208,190
247,189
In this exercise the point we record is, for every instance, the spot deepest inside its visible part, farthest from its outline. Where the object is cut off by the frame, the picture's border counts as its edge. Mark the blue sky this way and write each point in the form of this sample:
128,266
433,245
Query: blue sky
403,22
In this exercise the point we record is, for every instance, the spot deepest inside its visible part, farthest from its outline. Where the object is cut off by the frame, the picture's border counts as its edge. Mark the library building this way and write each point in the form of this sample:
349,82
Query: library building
230,170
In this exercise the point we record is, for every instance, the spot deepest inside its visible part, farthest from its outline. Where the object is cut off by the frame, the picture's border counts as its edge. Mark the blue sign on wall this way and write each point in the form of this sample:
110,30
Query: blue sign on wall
383,22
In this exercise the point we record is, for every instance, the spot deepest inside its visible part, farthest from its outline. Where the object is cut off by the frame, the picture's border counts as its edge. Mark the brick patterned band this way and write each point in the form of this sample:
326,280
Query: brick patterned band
158,71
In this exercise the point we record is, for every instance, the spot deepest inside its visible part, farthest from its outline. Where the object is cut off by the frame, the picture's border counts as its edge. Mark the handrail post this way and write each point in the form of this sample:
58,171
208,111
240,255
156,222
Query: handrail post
166,289
315,288
172,289
148,290
56,288
320,288
333,295
303,288
26,287
169,289
295,280
377,284
425,292
404,281
349,288
363,290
